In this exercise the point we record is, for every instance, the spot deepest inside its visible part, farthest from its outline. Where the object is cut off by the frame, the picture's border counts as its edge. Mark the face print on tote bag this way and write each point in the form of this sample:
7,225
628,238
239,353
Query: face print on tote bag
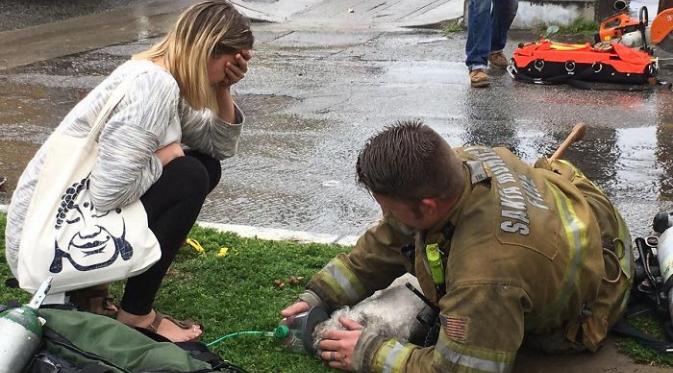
87,238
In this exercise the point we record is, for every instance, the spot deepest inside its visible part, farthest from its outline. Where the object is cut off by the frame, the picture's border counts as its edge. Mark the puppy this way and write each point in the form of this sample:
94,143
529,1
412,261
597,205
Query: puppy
391,312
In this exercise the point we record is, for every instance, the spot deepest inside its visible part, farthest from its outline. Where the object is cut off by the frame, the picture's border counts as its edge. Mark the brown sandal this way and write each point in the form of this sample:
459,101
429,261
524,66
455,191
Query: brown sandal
96,299
182,324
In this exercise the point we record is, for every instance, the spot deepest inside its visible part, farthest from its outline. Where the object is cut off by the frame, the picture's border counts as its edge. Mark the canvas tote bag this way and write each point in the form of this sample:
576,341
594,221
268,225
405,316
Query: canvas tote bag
65,236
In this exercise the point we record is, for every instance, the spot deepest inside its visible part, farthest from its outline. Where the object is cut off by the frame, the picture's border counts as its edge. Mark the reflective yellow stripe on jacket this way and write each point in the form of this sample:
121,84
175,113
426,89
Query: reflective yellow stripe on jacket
576,235
448,356
464,358
392,357
623,239
341,281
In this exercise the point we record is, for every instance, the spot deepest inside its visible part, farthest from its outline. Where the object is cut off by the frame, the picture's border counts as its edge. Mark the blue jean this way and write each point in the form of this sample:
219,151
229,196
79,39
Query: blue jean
487,27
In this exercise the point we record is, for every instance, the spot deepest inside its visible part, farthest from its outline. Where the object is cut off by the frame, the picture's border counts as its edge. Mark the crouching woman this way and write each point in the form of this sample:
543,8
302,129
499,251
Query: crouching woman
177,97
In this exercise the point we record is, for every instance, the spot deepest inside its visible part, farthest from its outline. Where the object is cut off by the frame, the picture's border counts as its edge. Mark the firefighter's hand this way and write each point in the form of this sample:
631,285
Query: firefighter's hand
338,345
295,308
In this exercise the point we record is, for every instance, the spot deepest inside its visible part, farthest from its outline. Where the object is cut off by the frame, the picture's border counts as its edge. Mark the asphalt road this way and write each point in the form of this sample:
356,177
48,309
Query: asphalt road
17,14
314,95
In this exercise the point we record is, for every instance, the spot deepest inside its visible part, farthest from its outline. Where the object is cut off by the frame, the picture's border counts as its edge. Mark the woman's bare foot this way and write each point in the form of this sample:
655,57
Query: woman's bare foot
166,327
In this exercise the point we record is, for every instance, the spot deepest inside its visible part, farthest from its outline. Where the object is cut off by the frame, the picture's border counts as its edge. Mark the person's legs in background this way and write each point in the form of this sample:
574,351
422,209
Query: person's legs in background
502,17
478,44
172,204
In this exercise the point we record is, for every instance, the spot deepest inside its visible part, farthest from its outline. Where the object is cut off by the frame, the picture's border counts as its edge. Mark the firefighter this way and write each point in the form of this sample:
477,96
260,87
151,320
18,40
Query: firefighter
511,254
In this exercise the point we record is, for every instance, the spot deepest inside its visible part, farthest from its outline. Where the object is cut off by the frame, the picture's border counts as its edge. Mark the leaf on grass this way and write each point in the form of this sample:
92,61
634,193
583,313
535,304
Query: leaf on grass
224,251
194,244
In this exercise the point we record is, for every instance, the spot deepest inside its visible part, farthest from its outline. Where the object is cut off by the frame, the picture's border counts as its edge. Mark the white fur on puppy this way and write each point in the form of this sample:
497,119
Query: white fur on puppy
390,312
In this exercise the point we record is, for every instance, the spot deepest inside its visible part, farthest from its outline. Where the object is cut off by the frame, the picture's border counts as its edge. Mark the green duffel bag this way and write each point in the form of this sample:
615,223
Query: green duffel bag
81,342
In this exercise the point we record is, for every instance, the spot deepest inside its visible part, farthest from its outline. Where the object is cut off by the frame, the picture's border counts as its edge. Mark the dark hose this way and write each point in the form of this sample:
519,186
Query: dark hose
620,5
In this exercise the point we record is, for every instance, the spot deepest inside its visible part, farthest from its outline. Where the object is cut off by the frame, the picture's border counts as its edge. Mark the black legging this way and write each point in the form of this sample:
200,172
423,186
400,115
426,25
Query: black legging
172,204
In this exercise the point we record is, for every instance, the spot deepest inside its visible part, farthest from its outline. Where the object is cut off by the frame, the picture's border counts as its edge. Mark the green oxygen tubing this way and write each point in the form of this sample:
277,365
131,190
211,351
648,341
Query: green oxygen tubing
279,333
294,332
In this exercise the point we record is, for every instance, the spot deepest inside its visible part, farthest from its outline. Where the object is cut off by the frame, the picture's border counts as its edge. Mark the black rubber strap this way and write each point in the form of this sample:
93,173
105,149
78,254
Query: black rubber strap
229,368
577,80
558,79
659,345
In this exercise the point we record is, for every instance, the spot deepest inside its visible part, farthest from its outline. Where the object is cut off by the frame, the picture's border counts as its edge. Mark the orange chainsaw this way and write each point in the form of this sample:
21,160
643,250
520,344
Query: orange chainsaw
633,32
661,31
625,29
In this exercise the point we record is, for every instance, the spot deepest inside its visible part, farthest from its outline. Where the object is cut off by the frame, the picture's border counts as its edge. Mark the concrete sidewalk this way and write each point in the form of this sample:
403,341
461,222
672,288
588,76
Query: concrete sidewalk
74,35
317,88
138,22
353,14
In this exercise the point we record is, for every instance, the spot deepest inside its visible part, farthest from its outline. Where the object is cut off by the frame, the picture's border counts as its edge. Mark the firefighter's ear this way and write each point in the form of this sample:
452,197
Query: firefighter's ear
436,208
428,206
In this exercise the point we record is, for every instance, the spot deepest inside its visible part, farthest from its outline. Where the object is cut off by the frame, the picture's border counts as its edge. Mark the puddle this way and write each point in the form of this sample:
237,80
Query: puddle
34,105
76,65
309,112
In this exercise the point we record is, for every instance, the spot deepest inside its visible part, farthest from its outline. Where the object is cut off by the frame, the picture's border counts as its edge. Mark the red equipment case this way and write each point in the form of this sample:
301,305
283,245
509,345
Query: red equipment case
547,62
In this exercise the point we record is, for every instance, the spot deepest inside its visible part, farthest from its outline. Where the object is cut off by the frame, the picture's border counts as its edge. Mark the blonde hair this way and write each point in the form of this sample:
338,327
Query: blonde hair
204,30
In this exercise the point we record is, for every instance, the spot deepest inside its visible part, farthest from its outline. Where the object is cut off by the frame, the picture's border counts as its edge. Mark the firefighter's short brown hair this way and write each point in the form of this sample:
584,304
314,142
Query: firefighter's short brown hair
410,161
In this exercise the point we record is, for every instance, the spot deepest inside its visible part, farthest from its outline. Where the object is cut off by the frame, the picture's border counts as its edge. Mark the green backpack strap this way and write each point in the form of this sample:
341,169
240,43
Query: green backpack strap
86,338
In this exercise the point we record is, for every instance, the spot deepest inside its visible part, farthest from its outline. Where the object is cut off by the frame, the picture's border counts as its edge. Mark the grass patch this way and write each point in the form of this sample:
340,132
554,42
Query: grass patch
578,28
5,292
452,27
231,293
236,292
645,355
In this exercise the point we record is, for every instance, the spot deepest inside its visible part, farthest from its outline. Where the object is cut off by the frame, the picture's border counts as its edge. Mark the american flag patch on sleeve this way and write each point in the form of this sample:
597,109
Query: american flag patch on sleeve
455,327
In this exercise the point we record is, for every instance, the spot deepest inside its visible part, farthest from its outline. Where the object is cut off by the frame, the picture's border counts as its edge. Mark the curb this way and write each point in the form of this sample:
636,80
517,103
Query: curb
272,234
277,234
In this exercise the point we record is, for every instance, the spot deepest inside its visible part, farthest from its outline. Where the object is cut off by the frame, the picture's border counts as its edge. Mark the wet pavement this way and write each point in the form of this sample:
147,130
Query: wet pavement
296,167
312,98
16,14
87,32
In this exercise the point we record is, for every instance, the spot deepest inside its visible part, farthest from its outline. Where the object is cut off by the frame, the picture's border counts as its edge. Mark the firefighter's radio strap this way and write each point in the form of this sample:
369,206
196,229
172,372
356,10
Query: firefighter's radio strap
436,266
435,255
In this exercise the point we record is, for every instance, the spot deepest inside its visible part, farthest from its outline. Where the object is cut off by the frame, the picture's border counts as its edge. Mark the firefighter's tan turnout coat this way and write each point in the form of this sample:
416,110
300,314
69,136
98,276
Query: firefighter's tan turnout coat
538,256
